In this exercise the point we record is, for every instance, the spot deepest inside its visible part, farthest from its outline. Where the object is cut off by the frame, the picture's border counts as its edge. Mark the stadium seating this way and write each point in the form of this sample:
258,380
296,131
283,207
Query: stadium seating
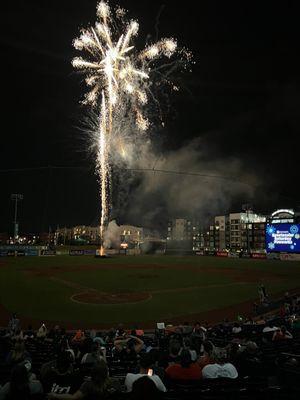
278,375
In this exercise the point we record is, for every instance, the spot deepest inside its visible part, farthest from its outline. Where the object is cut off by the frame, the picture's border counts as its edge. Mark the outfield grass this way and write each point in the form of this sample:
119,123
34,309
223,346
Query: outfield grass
179,286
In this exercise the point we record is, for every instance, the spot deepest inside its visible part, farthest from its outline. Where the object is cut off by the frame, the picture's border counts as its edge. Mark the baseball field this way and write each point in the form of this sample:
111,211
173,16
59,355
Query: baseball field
90,292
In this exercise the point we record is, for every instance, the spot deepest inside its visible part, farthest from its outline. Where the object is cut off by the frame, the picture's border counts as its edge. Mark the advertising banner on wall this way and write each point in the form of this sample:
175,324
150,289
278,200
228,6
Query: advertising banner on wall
18,250
76,252
222,253
246,255
259,255
48,252
273,256
210,252
89,252
290,257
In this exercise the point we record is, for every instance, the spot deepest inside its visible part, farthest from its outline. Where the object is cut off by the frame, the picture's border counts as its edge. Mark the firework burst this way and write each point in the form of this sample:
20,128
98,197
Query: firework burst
119,80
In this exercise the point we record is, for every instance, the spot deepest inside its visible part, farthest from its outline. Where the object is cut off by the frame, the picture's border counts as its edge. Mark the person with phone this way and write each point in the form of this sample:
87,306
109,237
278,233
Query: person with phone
145,371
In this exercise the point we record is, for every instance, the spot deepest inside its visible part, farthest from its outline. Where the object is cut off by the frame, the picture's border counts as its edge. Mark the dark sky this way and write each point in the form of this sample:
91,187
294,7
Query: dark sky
242,99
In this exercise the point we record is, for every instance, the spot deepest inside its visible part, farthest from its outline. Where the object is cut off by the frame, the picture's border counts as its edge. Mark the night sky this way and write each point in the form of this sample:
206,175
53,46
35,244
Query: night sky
242,99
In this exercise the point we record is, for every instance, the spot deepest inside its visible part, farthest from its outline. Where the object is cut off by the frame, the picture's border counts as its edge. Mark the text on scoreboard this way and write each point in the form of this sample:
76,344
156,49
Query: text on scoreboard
283,238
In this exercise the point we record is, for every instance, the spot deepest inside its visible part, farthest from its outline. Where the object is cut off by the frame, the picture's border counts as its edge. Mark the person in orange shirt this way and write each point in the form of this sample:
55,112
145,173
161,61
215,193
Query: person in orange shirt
185,370
79,336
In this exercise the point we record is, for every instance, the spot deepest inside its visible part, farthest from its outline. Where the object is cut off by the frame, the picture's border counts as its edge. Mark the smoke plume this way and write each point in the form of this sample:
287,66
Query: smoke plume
180,183
112,236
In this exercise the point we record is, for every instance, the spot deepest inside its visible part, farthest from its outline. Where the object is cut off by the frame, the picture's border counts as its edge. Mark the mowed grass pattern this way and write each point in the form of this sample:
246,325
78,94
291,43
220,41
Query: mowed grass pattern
42,287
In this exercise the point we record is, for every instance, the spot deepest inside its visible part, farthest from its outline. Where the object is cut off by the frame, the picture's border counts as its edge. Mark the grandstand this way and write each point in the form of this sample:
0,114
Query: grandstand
252,358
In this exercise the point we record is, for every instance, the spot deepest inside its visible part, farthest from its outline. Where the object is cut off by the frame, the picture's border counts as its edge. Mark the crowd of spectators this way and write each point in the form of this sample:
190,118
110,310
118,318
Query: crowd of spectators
174,361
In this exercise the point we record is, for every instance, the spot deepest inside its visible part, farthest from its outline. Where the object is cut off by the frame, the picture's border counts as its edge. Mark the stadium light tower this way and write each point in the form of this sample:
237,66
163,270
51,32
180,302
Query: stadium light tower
16,197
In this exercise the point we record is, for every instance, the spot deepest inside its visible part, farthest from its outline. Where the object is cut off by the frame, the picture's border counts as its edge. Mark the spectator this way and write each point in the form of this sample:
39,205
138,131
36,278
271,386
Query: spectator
186,328
79,337
199,330
174,351
144,388
96,337
42,332
234,350
156,356
236,328
18,335
282,311
18,355
120,332
61,377
172,356
249,321
282,334
260,321
136,331
29,333
128,347
262,293
110,336
78,342
54,335
220,368
98,387
249,361
269,330
13,323
185,370
95,355
64,346
207,357
198,336
187,345
20,387
145,369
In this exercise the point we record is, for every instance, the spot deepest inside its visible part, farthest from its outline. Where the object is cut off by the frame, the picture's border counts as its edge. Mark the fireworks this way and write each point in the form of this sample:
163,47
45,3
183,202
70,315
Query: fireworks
119,81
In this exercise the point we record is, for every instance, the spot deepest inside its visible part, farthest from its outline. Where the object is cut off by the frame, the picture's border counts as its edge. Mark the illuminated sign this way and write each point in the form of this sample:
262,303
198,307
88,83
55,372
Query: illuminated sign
283,211
283,238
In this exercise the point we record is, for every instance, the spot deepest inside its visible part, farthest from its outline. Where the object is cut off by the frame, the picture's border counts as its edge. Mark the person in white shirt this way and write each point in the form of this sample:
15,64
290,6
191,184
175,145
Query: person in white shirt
220,368
236,328
270,328
145,370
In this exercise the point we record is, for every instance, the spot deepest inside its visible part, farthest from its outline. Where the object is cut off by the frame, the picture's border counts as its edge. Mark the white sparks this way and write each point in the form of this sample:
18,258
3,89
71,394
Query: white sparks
103,10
